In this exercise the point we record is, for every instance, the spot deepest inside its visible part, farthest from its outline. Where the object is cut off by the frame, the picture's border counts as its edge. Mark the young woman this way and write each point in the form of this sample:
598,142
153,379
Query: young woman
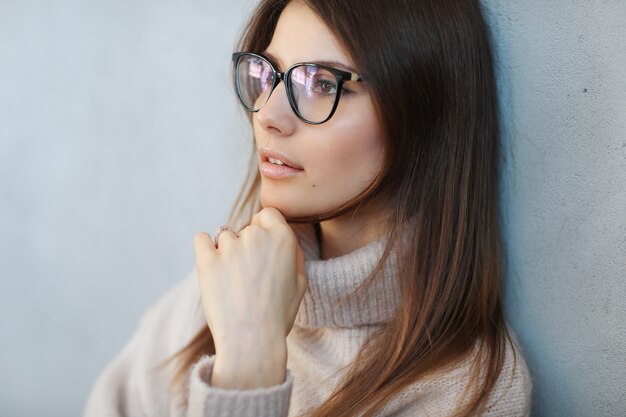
366,278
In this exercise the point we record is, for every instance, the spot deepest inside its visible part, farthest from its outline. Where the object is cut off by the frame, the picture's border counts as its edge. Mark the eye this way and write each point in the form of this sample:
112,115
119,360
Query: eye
324,86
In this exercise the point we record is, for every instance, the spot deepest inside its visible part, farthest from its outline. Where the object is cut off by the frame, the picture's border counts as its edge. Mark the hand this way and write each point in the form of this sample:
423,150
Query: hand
251,286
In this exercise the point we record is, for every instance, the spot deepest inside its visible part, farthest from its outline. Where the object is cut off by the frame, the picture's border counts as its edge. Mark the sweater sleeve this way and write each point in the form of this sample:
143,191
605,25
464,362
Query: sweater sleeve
129,386
205,400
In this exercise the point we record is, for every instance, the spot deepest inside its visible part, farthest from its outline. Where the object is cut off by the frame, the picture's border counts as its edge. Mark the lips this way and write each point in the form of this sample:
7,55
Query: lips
267,153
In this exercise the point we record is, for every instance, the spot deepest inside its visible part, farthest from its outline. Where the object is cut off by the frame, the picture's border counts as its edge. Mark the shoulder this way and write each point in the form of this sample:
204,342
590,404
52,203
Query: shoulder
133,381
511,394
443,391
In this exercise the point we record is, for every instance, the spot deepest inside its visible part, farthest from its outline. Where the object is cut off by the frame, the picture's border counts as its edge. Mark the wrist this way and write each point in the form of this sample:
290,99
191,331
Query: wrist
249,364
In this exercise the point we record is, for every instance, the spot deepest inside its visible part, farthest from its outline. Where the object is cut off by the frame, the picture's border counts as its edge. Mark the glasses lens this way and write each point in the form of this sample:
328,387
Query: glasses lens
314,91
255,79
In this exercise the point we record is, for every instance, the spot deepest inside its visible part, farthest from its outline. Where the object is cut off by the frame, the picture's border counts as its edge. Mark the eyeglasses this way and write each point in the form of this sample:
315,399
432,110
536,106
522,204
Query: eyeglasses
313,90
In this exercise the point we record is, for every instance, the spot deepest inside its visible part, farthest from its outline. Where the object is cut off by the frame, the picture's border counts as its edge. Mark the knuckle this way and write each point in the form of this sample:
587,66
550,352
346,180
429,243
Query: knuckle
200,238
262,214
250,230
269,212
254,228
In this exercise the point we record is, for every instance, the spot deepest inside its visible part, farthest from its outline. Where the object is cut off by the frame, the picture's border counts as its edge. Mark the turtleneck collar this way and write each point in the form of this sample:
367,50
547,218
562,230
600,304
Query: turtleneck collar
330,280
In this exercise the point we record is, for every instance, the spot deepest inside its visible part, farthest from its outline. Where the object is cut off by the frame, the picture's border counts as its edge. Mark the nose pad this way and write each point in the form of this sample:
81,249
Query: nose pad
276,112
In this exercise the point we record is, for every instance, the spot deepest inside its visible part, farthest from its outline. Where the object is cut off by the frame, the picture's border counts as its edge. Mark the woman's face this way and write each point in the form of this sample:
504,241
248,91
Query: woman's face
340,157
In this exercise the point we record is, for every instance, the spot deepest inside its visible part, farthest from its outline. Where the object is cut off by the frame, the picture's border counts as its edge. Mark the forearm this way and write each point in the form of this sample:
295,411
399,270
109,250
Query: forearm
250,364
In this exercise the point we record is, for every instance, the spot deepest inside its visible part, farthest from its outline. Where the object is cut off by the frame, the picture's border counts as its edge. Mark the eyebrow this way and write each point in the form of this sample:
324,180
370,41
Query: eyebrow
323,62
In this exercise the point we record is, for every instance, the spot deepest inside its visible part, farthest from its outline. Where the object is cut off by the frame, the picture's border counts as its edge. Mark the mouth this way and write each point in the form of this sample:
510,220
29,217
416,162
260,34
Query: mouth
276,171
277,159
278,162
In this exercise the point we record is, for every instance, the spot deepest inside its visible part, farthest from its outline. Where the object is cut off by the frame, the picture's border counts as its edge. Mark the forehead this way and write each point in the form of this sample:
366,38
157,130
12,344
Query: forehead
301,36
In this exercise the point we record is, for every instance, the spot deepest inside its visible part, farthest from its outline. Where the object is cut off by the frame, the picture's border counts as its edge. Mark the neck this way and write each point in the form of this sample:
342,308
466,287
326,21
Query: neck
349,232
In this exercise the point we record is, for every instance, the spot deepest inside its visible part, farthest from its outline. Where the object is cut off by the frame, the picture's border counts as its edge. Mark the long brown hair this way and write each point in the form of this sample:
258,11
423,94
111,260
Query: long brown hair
428,66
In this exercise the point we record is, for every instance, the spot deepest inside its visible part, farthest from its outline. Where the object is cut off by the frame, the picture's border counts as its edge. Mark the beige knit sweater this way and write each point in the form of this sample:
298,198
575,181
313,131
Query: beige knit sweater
325,338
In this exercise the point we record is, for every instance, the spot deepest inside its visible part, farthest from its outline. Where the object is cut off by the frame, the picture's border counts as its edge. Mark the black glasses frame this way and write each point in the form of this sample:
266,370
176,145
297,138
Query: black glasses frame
340,77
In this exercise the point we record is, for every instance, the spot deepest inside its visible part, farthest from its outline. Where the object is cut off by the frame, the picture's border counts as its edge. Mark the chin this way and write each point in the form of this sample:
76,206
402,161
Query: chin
287,208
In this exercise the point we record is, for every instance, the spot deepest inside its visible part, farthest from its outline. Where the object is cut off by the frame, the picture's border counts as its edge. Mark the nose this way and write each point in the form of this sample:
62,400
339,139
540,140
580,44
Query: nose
276,114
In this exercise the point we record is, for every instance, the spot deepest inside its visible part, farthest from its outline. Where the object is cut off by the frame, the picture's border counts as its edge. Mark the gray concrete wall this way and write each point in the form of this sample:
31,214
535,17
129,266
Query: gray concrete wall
562,74
120,139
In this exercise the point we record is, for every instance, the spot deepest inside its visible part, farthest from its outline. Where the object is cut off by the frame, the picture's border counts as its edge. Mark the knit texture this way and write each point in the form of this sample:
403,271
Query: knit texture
330,328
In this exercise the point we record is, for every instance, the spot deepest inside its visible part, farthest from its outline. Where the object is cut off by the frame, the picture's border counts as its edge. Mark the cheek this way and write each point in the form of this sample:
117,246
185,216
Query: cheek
352,154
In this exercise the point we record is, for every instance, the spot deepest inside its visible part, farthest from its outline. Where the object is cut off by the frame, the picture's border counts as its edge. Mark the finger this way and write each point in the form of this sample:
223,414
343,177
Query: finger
204,247
226,232
224,236
269,217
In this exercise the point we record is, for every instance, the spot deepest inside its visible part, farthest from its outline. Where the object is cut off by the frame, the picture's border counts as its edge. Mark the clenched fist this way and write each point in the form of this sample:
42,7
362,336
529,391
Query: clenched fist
251,286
